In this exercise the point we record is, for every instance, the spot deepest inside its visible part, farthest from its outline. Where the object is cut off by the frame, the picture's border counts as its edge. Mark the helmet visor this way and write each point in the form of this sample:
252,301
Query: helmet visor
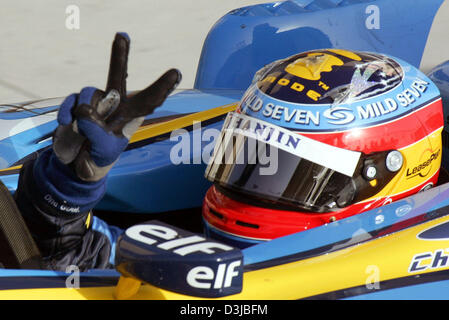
261,161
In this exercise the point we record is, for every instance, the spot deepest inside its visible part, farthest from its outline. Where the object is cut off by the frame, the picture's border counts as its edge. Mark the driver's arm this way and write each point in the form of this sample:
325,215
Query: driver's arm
58,190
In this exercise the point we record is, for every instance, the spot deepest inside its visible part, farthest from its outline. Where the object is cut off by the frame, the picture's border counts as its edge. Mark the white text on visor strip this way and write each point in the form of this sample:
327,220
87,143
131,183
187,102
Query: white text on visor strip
337,159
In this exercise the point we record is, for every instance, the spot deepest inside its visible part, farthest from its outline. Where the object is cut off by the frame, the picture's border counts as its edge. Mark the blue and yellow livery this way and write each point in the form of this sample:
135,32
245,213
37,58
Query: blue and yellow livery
398,251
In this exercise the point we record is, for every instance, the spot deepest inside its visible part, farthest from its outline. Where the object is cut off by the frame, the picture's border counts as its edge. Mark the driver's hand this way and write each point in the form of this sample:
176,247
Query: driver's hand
95,126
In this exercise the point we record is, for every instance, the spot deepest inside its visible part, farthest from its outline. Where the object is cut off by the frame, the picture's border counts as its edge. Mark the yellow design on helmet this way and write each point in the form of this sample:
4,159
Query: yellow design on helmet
311,66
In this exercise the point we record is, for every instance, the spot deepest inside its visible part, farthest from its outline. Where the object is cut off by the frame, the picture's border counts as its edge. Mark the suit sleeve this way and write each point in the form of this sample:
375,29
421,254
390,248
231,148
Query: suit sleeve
57,208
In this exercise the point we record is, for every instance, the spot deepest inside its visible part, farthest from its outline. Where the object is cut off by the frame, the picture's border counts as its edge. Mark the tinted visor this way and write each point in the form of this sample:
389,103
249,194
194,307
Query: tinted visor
256,165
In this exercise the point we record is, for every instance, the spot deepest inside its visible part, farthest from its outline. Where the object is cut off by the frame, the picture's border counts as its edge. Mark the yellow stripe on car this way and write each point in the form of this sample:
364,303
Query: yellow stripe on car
157,129
153,130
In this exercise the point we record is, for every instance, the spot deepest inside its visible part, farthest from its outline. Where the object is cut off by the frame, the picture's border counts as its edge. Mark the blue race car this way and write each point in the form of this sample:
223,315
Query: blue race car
376,255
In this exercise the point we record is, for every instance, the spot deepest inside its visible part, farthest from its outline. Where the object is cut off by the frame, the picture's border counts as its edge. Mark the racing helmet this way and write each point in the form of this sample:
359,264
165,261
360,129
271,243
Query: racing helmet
318,137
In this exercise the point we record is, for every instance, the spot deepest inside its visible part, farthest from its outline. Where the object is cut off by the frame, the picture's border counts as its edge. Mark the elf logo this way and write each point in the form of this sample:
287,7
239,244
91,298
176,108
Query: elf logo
203,277
178,260
424,167
151,234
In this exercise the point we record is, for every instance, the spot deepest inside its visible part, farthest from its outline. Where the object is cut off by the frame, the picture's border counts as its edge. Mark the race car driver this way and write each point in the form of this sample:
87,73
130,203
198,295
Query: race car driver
57,191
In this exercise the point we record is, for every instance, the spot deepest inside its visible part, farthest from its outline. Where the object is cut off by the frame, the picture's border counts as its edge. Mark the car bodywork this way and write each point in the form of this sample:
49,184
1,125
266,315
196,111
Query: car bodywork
395,252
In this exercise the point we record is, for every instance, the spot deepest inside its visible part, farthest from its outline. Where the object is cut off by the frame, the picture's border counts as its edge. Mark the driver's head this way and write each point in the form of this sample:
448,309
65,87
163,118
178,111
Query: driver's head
321,136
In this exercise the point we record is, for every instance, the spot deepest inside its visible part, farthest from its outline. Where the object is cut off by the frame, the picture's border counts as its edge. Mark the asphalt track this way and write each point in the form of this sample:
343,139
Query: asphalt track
44,54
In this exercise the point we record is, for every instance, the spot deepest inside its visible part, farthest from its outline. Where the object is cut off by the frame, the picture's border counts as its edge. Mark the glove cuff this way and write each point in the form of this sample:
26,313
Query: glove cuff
61,189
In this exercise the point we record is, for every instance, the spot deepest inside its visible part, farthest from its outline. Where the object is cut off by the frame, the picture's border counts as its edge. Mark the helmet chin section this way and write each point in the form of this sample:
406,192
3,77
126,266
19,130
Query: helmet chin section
238,221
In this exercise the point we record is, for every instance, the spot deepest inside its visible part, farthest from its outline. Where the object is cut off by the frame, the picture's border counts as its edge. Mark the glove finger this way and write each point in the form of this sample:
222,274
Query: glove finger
118,65
104,147
144,102
89,96
65,110
67,142
109,103
88,101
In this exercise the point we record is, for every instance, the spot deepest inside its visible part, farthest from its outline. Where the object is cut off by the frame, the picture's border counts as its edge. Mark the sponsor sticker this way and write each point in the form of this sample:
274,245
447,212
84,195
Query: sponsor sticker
411,95
178,260
425,166
338,159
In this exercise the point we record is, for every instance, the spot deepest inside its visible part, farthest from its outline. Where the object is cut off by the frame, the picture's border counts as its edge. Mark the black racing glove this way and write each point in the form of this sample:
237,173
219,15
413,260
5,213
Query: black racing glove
58,190
95,126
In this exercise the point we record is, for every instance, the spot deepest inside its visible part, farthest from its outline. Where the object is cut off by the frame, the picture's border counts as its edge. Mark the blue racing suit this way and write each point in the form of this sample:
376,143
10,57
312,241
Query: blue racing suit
66,232
58,190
